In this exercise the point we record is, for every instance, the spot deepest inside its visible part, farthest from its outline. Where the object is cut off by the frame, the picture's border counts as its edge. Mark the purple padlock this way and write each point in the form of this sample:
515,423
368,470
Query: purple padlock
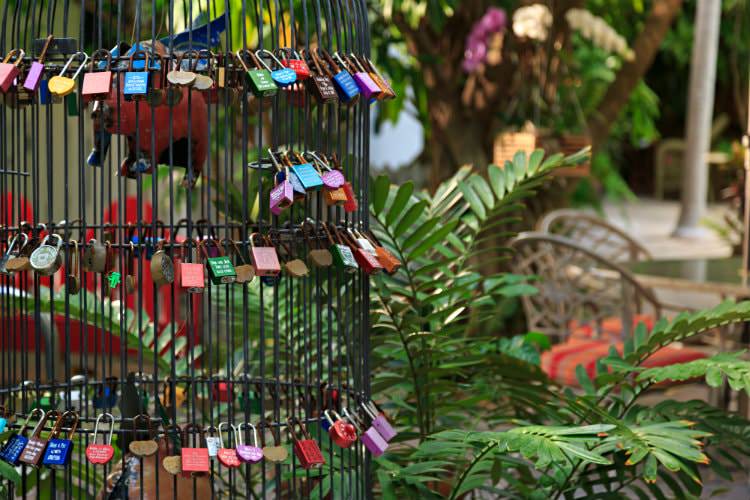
380,422
332,178
34,75
249,453
367,86
374,442
282,196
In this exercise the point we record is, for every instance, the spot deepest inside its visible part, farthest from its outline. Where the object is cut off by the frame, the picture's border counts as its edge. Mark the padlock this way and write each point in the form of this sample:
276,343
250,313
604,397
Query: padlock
387,91
34,451
367,86
320,83
380,422
332,178
12,251
179,78
98,84
345,85
367,261
363,242
307,174
350,205
343,257
220,268
294,267
286,174
282,76
136,82
213,443
191,275
275,453
20,261
340,431
390,262
282,194
291,59
248,453
172,463
131,280
320,257
259,77
9,71
36,70
228,456
16,443
245,272
157,91
203,83
61,85
72,280
100,454
45,97
371,438
46,259
265,258
194,459
306,449
162,267
58,452
143,447
95,257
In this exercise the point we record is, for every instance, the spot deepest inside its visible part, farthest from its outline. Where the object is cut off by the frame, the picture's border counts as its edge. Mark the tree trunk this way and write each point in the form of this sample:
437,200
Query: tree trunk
645,48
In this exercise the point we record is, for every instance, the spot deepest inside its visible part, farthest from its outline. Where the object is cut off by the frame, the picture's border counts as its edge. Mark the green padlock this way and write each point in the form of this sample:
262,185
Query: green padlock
220,268
259,77
343,257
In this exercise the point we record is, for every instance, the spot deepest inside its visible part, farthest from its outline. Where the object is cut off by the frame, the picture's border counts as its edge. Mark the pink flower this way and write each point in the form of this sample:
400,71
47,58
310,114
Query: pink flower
475,54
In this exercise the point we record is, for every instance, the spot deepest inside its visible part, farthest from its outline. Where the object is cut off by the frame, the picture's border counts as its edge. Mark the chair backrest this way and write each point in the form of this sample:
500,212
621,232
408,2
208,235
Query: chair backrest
594,233
576,286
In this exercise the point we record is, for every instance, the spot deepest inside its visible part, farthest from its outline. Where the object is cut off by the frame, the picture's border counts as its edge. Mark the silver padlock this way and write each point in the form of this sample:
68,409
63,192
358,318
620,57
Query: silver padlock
10,253
46,259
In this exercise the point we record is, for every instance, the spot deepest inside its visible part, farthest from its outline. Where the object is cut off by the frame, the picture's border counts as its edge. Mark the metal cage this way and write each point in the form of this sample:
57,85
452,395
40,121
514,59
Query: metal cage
172,178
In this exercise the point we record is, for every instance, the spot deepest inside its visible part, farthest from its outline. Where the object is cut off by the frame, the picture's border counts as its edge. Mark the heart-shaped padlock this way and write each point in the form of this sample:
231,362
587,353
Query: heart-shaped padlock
177,76
245,272
143,447
276,453
320,257
101,453
61,85
228,456
172,463
249,453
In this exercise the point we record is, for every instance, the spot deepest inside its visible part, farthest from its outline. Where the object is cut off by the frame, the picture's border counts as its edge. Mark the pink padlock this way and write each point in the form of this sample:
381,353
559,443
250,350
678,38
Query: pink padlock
332,178
379,421
34,75
371,438
248,453
282,194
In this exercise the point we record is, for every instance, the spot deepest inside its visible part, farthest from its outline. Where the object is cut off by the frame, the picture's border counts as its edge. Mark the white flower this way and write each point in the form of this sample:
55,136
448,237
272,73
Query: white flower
532,22
597,30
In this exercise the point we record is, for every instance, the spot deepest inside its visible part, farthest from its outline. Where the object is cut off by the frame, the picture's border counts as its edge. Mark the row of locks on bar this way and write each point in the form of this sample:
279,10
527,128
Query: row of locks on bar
193,448
185,262
329,78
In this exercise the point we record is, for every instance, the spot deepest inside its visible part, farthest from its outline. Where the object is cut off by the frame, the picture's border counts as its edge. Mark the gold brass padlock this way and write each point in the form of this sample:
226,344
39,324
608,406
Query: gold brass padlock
162,267
13,251
143,447
245,272
320,257
46,259
292,266
95,257
20,262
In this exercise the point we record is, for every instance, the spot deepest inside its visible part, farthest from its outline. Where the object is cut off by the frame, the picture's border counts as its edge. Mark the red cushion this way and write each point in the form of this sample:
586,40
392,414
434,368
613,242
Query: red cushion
560,362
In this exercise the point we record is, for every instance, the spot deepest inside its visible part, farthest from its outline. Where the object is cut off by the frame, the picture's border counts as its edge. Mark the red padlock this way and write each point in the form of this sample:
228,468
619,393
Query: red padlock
342,433
101,453
190,275
306,449
265,258
366,260
290,58
10,70
194,460
228,456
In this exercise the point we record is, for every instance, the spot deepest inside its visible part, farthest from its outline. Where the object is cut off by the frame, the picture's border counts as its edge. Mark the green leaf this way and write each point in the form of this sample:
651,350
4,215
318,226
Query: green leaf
380,188
410,218
399,202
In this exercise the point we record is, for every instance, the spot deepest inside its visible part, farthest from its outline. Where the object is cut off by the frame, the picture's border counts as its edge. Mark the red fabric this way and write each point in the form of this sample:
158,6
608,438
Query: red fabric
561,361
609,329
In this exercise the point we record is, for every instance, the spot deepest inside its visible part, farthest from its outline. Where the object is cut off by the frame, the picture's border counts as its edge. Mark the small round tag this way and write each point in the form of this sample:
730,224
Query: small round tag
333,179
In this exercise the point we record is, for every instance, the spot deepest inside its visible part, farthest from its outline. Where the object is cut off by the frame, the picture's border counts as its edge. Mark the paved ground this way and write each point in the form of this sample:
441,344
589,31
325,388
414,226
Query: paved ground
652,223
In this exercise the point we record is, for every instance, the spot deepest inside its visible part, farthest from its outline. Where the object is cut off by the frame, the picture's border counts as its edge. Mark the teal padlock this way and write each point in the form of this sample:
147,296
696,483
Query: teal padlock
307,174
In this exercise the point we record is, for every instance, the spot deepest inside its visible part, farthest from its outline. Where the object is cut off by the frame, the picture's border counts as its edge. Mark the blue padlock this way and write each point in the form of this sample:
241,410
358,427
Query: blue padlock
270,280
324,423
44,94
58,451
346,87
308,176
136,82
283,77
15,444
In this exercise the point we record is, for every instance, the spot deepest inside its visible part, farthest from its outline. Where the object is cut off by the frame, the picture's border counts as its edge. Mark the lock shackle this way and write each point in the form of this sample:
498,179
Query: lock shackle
43,422
291,422
181,57
275,162
345,64
311,242
12,242
81,65
145,57
199,53
194,429
241,59
101,54
204,244
176,430
269,242
255,432
354,419
280,243
331,63
260,53
320,160
236,248
210,232
328,232
250,239
234,433
33,412
187,253
355,62
285,159
43,53
287,52
146,419
19,53
59,424
111,426
327,415
315,61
